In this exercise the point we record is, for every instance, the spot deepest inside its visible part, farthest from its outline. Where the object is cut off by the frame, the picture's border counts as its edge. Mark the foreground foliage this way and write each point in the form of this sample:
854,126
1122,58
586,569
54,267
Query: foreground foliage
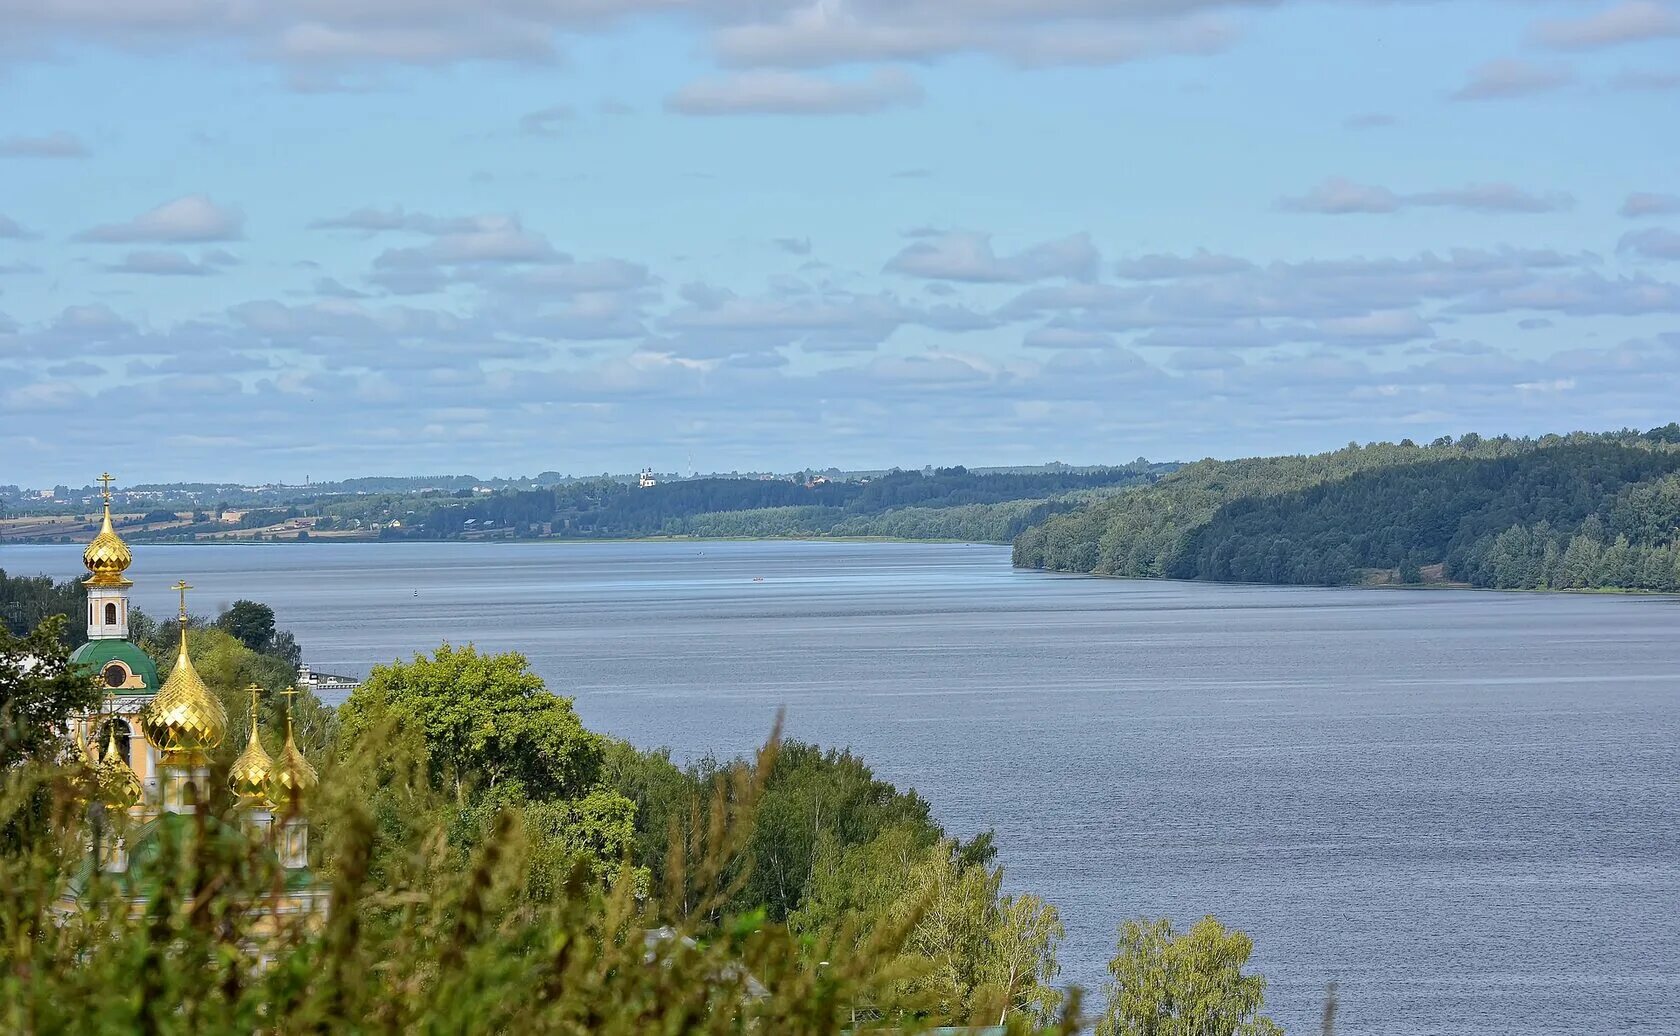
496,867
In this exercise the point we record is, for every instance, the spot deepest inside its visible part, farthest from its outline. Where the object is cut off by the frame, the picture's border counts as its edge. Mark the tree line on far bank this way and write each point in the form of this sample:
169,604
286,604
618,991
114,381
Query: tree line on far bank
947,503
1575,512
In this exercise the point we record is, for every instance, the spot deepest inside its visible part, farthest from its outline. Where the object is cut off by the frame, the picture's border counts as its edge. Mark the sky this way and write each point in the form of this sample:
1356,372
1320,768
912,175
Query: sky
263,241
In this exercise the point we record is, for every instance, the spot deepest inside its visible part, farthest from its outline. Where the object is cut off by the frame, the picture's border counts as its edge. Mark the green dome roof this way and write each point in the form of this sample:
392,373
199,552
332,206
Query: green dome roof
95,655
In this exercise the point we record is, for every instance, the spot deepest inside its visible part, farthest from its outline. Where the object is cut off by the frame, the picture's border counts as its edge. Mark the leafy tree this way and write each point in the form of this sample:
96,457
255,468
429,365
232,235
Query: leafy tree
1189,984
971,952
228,668
485,719
486,734
662,793
287,650
251,623
809,795
39,691
27,601
810,792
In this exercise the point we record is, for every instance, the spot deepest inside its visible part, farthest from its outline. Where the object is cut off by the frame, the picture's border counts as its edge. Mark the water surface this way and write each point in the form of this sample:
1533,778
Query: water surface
1461,806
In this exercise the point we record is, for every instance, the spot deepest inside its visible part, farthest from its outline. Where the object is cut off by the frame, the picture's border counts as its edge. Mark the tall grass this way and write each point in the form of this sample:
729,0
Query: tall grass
420,938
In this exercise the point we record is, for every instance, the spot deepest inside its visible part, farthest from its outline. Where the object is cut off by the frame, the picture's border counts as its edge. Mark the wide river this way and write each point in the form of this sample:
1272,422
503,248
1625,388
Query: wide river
1462,807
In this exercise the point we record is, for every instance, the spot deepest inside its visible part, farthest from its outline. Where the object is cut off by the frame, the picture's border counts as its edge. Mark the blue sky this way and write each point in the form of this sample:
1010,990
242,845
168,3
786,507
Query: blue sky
306,238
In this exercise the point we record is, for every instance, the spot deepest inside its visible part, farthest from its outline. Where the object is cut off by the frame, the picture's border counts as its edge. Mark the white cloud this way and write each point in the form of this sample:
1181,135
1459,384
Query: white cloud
1651,243
1067,338
1633,21
546,122
1382,327
160,263
1642,203
187,219
53,145
1509,78
968,256
1636,79
1369,120
1338,196
794,93
1170,267
375,220
831,33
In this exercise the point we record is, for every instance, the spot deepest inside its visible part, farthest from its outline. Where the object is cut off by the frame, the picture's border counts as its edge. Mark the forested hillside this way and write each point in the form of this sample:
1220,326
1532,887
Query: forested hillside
947,503
1554,513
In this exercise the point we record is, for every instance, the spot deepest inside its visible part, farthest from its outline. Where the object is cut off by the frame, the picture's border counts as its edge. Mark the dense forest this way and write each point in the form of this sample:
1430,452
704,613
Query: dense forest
1561,512
946,503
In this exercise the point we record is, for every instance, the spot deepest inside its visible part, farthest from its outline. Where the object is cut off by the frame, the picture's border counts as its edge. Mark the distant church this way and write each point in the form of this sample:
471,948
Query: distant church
148,751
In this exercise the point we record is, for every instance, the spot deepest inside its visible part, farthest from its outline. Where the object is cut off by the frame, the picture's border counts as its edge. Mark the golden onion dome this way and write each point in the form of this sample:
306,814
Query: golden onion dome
293,776
107,557
184,718
251,772
118,783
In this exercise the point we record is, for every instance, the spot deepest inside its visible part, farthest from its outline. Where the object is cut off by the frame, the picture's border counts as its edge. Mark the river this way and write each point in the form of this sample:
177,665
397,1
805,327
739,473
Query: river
1464,807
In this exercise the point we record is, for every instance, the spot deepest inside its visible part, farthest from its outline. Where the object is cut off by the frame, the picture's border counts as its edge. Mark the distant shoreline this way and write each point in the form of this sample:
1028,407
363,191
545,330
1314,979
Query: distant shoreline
1607,591
330,540
606,540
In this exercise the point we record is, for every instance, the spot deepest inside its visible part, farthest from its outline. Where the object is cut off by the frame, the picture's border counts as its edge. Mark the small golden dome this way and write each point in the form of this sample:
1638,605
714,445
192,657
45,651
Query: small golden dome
185,718
251,772
107,557
293,776
118,783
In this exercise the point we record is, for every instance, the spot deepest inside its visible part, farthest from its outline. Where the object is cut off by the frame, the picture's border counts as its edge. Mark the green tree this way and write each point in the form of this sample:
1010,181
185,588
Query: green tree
39,691
251,623
485,719
493,745
971,953
26,601
228,667
1190,984
810,792
809,795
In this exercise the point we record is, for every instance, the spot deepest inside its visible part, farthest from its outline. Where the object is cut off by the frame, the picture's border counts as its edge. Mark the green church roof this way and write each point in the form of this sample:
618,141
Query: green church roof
166,839
95,654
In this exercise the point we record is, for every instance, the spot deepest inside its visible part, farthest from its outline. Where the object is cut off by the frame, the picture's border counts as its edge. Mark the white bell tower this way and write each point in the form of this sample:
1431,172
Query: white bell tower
107,589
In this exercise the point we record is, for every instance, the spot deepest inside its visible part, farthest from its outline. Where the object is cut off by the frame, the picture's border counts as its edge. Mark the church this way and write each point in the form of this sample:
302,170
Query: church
148,754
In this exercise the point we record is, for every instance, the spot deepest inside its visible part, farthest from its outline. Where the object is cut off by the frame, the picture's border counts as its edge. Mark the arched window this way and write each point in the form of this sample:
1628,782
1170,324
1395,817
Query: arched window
111,613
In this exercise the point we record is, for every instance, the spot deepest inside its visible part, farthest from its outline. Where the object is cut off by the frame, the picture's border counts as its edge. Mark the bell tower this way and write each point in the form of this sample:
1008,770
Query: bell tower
119,665
107,557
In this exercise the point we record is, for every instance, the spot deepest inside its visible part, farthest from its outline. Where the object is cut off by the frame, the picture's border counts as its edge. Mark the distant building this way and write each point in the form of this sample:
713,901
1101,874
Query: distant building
327,686
647,481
